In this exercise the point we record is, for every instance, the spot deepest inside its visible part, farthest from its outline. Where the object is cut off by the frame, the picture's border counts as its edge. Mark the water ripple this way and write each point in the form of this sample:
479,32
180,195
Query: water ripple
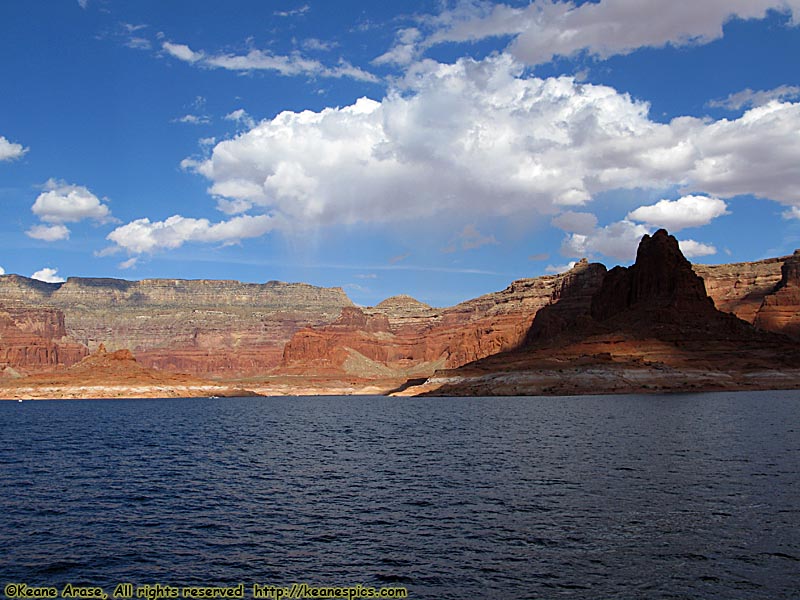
686,496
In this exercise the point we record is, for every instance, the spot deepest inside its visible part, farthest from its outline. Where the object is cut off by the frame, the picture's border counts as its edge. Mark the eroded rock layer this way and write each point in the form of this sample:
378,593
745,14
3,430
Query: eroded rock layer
35,339
740,288
403,337
227,329
219,328
780,310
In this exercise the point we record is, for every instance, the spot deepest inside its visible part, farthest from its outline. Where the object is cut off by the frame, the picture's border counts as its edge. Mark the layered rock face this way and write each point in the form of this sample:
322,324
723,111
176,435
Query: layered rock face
740,288
764,293
117,374
35,339
403,337
209,328
228,329
780,310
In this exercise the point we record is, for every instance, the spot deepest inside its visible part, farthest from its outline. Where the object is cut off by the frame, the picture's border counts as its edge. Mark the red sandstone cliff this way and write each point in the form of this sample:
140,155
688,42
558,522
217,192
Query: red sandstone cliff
224,329
227,329
35,339
117,374
780,309
402,337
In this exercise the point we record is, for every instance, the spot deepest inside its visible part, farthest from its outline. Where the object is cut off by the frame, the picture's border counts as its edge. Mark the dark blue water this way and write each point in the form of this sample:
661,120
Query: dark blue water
679,496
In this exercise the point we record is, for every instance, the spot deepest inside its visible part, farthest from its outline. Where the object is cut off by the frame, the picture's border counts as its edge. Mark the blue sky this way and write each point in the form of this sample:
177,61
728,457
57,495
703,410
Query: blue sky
435,148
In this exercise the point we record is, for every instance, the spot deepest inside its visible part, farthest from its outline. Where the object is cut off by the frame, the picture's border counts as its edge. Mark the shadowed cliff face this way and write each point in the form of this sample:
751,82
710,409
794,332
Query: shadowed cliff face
570,303
661,278
649,326
780,310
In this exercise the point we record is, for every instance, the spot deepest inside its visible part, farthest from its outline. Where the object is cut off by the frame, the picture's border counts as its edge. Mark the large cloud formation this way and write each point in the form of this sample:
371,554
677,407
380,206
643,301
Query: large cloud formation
481,138
478,136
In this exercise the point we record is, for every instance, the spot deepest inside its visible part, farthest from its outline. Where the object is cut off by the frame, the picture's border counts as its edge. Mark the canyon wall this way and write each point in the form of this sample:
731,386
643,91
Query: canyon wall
229,329
35,339
221,328
402,337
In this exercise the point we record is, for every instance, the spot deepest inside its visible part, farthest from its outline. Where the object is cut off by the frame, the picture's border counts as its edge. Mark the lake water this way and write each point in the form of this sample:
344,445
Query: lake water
657,496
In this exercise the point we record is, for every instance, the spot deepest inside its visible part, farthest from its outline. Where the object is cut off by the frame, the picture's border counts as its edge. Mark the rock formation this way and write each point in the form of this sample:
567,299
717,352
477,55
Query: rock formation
209,328
231,330
117,374
402,337
780,310
740,288
649,326
34,339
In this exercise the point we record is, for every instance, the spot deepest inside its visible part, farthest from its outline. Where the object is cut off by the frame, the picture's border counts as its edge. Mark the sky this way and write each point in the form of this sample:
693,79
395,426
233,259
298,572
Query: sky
440,148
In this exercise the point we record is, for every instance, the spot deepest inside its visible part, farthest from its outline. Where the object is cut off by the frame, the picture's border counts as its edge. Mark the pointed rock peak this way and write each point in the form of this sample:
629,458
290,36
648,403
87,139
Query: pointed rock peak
661,277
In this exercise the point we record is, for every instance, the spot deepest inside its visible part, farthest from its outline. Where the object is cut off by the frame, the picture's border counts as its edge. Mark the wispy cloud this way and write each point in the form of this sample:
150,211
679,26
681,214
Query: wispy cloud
260,60
545,29
748,98
192,119
241,117
469,238
399,258
295,12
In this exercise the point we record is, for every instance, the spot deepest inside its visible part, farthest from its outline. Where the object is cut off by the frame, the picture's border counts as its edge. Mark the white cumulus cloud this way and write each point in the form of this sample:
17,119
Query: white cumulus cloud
65,203
48,275
10,150
674,215
692,249
481,138
143,235
618,240
2,271
48,233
